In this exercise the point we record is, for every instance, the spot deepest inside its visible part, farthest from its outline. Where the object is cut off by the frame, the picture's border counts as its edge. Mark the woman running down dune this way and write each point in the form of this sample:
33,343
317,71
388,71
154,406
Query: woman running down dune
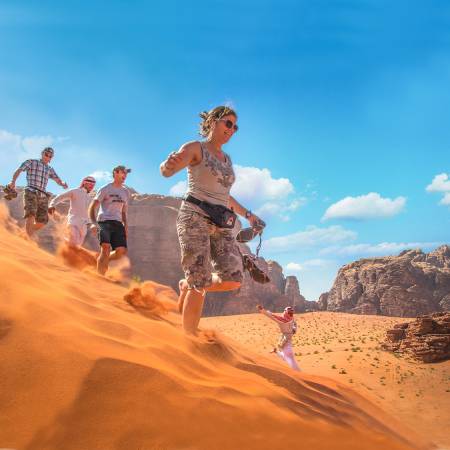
210,256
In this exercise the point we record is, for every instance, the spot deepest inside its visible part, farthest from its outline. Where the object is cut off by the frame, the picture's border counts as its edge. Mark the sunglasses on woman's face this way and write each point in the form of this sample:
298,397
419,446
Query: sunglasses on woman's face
229,124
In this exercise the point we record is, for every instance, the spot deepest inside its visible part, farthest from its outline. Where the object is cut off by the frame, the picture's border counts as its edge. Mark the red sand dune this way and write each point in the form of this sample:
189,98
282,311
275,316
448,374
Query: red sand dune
84,369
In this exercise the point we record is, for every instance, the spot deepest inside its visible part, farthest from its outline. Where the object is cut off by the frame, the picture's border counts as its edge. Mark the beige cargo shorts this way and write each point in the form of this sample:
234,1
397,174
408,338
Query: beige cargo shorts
206,248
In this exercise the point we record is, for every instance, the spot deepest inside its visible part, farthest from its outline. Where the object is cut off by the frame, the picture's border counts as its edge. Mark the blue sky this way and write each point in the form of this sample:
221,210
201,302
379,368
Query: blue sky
343,110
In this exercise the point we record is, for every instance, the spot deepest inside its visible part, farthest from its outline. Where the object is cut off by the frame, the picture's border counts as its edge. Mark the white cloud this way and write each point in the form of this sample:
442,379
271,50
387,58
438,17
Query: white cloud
25,147
102,175
308,264
9,141
381,249
34,145
280,209
294,267
370,206
445,200
311,237
179,189
257,185
441,183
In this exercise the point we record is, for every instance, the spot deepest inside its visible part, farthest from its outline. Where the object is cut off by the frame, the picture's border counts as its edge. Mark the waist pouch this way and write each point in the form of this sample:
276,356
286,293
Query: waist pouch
220,215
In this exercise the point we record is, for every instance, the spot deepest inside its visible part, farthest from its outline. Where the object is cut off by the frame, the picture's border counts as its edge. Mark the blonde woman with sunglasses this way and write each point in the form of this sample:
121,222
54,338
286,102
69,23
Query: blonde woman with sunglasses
210,257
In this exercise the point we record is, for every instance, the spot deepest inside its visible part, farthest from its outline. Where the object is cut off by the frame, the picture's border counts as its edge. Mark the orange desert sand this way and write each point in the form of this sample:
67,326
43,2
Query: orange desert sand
83,369
346,347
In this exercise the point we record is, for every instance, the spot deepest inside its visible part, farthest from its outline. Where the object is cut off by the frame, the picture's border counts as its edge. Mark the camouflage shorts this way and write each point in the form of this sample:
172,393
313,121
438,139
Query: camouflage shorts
206,248
35,204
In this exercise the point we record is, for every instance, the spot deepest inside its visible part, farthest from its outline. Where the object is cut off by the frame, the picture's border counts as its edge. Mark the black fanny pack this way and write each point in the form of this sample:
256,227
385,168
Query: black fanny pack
220,215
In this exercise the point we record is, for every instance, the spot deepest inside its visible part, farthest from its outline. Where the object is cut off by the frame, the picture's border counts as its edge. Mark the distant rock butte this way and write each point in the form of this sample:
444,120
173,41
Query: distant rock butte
427,338
411,284
154,253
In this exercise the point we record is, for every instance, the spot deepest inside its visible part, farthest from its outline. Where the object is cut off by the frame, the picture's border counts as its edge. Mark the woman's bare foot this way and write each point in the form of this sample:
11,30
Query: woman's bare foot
183,287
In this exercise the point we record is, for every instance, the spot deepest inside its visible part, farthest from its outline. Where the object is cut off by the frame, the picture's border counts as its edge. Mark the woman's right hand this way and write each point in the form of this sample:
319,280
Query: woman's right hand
173,159
189,153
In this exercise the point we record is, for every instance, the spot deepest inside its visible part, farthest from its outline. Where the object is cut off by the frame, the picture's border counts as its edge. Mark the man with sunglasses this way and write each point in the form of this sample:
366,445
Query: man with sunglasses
78,221
35,196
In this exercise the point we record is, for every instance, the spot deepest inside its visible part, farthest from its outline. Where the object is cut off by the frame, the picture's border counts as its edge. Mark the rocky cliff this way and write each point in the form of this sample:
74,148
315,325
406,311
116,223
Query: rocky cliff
155,255
411,284
427,338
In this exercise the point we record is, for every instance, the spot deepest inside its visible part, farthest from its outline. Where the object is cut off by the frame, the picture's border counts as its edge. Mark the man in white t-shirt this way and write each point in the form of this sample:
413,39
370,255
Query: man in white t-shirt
112,202
78,221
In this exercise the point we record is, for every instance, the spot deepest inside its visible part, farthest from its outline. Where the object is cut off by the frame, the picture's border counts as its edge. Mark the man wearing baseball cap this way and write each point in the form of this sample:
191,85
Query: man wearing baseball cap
35,196
77,218
112,202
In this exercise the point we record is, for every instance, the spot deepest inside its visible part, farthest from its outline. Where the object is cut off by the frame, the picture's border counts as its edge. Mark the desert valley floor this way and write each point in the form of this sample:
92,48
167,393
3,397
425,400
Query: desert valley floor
347,347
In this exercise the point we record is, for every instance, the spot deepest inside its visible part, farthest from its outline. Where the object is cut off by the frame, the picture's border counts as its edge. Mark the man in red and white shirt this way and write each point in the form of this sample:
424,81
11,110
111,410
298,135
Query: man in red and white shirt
288,327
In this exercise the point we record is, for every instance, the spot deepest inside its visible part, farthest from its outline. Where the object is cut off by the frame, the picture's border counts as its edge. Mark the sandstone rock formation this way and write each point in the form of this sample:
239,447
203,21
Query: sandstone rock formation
427,338
322,303
411,284
155,255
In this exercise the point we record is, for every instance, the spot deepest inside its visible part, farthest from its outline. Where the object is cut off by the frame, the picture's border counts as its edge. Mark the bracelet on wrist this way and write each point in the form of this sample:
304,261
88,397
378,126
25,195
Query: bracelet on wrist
248,213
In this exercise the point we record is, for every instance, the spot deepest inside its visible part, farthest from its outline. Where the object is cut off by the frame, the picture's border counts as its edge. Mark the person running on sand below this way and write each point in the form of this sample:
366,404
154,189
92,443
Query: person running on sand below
77,217
288,327
111,221
206,239
35,196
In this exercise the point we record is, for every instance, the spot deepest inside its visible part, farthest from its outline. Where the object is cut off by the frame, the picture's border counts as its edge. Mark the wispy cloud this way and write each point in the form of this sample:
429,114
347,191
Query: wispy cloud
381,249
26,147
315,263
364,207
311,237
281,209
102,175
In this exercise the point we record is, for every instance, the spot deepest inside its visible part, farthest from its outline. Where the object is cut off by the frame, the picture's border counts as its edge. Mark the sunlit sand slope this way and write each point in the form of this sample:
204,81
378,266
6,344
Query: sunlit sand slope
83,369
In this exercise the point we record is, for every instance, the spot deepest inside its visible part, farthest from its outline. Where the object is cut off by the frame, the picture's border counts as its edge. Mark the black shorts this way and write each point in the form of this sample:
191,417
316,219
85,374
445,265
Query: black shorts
112,232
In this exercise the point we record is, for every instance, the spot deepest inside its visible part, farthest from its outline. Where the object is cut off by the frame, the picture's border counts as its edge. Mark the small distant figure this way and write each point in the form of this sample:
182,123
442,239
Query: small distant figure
78,222
112,201
288,328
35,196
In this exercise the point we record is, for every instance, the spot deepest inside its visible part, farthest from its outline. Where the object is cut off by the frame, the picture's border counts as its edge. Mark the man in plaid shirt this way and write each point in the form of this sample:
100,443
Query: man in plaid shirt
35,196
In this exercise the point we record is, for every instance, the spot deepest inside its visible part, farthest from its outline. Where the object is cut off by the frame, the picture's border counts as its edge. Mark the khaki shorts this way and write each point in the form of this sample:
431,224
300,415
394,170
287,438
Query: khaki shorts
206,248
35,204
